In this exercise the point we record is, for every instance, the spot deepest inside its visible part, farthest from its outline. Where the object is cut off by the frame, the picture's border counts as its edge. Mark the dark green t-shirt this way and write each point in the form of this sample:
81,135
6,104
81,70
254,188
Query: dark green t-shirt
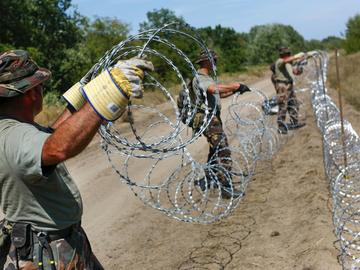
46,197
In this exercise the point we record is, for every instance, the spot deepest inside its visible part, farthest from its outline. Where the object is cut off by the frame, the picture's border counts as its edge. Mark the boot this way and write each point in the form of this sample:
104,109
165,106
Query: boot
282,128
295,125
202,183
227,193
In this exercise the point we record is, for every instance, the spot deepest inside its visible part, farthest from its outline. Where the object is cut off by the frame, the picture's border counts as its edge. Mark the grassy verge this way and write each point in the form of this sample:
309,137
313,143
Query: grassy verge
250,74
349,68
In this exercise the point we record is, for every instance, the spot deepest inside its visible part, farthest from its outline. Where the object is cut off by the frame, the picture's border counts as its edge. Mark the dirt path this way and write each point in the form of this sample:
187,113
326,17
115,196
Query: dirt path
284,221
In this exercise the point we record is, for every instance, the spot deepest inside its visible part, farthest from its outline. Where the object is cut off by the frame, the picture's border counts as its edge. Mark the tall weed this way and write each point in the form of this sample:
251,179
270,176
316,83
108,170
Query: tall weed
349,70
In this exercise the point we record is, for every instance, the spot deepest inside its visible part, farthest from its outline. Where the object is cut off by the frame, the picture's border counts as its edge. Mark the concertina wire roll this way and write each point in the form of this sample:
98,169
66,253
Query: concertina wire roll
341,150
153,137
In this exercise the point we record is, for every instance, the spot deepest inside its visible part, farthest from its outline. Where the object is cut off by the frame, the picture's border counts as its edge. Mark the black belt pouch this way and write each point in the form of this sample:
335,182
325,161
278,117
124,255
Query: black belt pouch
21,238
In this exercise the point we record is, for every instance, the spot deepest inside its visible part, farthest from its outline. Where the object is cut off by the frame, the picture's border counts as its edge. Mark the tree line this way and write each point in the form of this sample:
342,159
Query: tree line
60,38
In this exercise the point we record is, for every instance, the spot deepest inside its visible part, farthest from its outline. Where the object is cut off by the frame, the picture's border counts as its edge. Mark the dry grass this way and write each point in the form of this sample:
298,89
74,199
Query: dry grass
49,114
349,68
250,74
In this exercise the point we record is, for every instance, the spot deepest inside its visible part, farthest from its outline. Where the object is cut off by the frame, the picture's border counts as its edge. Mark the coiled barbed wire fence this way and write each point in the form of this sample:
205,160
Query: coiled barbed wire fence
341,147
154,138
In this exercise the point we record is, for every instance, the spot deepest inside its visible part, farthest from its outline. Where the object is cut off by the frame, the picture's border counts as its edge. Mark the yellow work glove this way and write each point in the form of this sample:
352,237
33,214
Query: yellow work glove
110,91
74,96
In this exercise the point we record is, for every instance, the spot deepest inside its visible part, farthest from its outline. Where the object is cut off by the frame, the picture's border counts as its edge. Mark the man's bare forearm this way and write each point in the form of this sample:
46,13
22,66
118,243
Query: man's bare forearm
225,95
223,88
63,117
71,135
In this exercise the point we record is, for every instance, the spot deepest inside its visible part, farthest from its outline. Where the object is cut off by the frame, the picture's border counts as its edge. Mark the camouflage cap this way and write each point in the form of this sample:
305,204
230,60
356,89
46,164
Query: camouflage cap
205,55
19,73
284,50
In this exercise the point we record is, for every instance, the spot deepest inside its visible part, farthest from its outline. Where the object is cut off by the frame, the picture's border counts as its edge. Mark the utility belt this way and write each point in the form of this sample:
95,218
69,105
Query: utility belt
24,238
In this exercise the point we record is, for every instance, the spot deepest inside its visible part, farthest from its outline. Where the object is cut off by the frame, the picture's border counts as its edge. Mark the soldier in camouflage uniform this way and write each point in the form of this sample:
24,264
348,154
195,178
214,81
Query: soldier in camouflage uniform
283,78
219,157
40,200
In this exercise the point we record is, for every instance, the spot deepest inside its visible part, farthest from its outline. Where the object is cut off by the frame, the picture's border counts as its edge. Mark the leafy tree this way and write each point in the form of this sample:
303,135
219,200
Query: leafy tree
229,45
74,66
100,35
264,41
158,18
352,36
314,44
5,47
47,25
332,42
329,43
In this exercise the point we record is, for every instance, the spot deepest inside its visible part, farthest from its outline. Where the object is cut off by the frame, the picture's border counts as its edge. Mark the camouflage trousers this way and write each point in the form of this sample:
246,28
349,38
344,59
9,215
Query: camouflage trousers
287,102
219,156
70,253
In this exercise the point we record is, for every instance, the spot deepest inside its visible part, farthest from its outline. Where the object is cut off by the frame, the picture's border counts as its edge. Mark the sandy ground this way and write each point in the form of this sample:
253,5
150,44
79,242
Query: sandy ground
284,221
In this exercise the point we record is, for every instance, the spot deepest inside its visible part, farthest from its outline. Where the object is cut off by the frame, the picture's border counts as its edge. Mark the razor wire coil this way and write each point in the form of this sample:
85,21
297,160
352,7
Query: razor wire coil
341,150
154,137
252,135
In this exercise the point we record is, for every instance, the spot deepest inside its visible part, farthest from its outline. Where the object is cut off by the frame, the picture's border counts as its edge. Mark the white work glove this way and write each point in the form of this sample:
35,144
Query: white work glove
110,91
74,97
131,71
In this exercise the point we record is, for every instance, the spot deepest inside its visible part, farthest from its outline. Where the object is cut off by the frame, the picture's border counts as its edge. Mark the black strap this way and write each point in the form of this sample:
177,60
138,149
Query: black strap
44,244
23,237
44,239
58,234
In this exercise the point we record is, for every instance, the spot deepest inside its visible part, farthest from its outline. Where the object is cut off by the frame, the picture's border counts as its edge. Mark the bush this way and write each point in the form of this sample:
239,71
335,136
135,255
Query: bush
265,40
52,98
352,42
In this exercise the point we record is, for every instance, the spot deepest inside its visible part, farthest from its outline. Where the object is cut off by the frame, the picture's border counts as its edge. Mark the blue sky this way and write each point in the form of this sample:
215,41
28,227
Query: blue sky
311,18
